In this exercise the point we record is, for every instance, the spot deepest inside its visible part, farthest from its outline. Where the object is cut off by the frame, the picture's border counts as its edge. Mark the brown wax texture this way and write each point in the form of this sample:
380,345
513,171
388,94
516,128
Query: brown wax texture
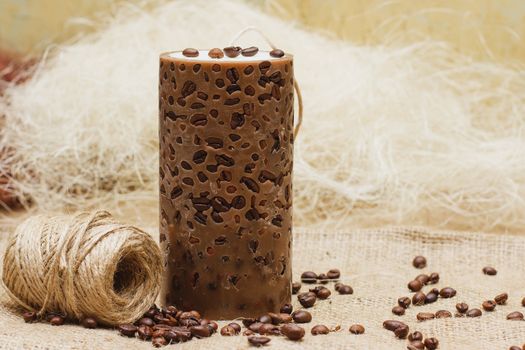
226,157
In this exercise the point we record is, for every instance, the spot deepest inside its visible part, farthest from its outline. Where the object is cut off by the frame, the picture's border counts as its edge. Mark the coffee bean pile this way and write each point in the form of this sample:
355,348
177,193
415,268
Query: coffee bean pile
231,52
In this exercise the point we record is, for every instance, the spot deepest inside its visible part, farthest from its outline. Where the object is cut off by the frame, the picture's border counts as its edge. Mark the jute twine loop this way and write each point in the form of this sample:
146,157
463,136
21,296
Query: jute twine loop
295,85
83,265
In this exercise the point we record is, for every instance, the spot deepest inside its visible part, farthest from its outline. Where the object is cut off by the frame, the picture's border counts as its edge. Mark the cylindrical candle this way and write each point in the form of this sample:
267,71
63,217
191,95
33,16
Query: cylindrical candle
226,156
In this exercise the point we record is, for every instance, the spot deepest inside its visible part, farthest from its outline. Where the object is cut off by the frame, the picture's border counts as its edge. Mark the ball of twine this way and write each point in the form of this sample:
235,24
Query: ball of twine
86,265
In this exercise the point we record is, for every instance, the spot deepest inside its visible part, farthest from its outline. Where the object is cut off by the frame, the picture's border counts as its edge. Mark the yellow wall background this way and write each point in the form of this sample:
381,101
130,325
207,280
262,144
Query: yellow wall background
493,29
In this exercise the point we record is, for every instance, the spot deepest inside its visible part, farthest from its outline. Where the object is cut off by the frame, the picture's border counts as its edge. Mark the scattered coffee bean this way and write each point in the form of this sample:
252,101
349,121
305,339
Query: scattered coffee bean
146,321
514,347
333,274
404,302
250,51
189,52
419,262
277,53
308,277
447,292
276,318
320,329
431,343
321,292
488,270
286,309
127,329
293,331
443,314
337,286
398,310
322,278
489,305
29,316
159,342
462,308
307,300
515,316
265,319
345,289
286,318
418,299
415,285
431,298
144,332
228,331
269,329
200,331
357,329
255,327
402,331
425,316
392,325
423,279
501,299
216,53
235,326
523,302
474,313
296,286
248,332
302,316
246,321
57,321
258,341
415,336
416,345
433,278
89,322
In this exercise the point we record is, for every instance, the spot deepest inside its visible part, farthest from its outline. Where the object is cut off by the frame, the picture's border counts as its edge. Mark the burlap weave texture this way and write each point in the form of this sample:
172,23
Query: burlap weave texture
377,263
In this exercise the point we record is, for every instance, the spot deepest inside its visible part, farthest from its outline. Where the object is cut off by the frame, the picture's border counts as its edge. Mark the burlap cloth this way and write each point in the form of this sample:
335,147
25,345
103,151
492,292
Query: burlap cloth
377,263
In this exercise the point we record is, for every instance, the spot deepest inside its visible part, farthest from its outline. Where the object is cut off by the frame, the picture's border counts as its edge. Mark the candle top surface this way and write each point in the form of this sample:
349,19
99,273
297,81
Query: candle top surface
204,57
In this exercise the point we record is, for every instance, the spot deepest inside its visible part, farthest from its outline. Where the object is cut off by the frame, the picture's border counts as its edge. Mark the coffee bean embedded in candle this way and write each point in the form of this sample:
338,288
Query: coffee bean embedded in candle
474,313
216,53
250,51
345,289
398,310
277,53
415,285
431,343
293,331
319,329
419,262
490,271
190,52
489,305
447,292
258,341
402,331
287,308
443,314
29,316
501,299
462,308
418,299
232,51
357,329
89,322
302,316
515,316
425,316
127,329
415,336
308,277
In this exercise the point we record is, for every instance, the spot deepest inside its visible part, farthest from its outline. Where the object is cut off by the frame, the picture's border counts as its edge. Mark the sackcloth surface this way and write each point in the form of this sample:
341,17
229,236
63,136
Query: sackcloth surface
377,264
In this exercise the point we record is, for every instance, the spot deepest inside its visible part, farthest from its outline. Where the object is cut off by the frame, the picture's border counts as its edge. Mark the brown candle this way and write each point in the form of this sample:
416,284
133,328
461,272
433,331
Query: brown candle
226,149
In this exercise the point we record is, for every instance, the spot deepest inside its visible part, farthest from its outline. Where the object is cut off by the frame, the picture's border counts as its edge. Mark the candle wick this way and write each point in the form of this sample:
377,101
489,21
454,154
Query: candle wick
254,29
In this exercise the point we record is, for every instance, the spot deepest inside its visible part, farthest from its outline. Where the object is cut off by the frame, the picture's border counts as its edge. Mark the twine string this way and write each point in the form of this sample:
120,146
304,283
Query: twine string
69,265
295,85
